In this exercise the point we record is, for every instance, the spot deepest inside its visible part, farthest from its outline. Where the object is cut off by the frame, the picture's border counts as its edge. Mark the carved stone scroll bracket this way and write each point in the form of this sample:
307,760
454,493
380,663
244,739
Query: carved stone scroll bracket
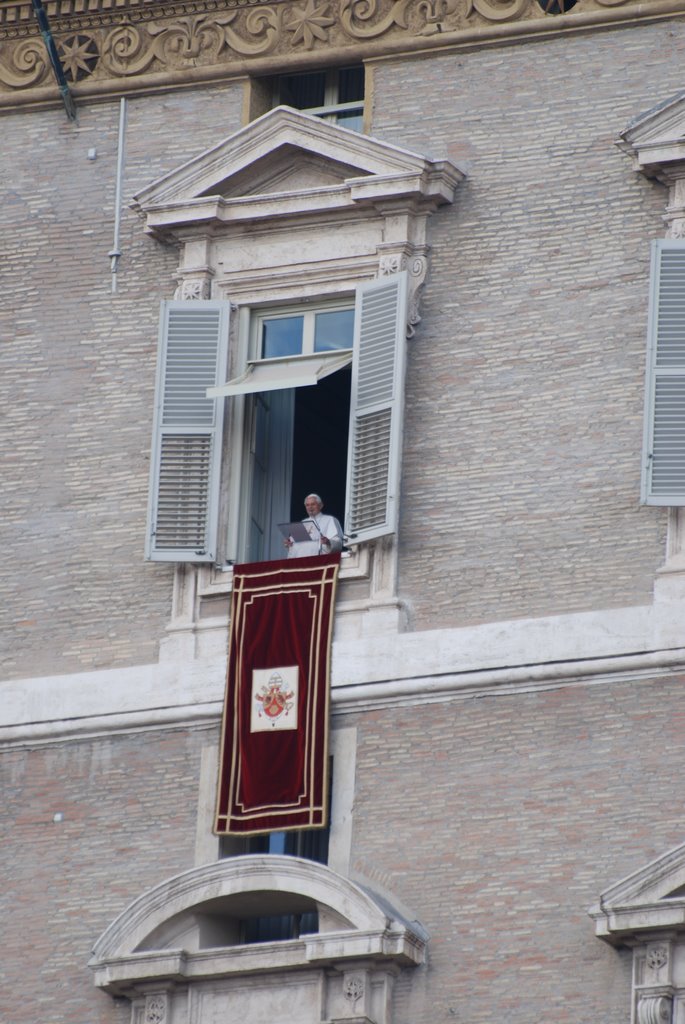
415,262
654,1009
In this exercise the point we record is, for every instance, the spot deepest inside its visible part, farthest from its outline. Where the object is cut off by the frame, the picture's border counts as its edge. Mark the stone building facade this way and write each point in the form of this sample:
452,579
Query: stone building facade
507,724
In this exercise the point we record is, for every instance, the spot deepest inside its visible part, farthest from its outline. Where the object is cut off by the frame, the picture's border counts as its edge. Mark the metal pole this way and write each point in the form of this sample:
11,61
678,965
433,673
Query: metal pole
115,254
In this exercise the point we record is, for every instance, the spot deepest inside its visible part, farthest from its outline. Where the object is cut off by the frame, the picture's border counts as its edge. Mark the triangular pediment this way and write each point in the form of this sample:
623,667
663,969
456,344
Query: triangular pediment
656,138
286,169
287,163
649,899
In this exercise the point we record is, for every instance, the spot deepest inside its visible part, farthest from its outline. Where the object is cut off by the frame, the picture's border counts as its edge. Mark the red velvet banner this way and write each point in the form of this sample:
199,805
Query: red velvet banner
273,766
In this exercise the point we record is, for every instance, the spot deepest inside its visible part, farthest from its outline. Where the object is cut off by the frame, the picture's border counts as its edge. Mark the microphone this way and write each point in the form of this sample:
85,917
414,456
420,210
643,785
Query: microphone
319,529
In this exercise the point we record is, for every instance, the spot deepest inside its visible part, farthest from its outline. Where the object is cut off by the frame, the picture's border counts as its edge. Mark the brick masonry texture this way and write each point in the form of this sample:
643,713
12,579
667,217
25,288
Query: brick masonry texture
78,371
495,822
129,806
525,380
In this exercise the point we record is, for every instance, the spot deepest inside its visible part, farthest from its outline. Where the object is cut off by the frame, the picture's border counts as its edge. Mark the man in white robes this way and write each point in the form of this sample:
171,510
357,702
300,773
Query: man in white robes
324,531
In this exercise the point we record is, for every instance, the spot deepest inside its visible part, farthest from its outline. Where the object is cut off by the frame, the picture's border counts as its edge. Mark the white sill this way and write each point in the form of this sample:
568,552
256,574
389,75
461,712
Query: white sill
213,580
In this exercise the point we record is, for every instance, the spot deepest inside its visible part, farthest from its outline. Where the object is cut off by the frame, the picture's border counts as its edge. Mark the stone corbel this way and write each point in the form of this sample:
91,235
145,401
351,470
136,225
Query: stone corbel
195,272
654,1009
415,262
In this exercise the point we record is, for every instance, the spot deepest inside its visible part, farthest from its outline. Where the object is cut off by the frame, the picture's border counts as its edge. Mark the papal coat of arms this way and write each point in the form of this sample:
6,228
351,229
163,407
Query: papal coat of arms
274,699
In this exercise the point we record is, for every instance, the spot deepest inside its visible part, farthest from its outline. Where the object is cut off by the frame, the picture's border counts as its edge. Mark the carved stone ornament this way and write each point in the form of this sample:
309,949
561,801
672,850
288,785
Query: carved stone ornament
353,988
294,979
654,1010
416,263
155,1008
657,957
101,42
644,912
194,288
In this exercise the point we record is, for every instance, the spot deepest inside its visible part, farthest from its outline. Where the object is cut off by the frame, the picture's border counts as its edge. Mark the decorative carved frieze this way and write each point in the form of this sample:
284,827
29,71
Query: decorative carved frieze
104,43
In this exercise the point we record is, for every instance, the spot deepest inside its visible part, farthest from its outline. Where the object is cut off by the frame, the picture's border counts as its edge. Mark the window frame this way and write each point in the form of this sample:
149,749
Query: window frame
239,484
331,107
308,311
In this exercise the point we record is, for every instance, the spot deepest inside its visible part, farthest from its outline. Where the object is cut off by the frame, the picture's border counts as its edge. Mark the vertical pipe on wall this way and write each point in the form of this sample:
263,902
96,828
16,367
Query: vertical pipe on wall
115,253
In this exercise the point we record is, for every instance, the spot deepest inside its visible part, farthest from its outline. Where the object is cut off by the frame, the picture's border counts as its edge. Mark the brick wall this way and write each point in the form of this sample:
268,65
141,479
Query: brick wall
129,806
496,822
525,381
78,368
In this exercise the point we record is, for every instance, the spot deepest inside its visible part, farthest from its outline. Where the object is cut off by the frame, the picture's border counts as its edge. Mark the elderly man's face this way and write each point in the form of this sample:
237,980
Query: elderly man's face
312,505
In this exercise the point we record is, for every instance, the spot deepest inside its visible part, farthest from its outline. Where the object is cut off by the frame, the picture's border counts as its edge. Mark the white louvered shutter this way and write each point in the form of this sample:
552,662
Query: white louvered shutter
375,443
186,448
663,476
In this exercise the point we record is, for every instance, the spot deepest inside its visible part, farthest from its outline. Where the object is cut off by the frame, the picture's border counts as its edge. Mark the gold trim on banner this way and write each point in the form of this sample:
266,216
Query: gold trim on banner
317,591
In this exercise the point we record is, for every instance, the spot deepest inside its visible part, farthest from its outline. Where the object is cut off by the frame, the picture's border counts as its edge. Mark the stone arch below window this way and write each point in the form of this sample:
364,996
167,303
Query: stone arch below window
176,952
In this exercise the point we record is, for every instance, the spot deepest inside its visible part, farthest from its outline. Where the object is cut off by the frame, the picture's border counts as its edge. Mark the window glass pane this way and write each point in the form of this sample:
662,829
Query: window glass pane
352,119
350,84
334,330
282,336
303,91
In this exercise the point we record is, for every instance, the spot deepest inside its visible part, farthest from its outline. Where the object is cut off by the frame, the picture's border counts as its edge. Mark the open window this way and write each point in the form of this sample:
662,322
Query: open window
322,397
291,223
297,413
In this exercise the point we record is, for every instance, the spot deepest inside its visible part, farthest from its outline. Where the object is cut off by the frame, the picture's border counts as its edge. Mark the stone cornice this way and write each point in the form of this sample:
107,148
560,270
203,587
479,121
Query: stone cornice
111,47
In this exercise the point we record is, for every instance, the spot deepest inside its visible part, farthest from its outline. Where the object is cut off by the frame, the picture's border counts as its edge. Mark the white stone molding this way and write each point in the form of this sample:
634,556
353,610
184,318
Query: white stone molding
177,947
367,672
654,1010
415,261
646,912
255,216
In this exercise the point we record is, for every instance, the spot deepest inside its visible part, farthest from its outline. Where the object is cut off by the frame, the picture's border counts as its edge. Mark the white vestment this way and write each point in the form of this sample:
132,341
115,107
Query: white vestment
318,526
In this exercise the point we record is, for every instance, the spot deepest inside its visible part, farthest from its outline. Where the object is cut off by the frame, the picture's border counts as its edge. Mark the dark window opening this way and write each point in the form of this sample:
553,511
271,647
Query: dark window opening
278,928
321,424
310,844
336,94
298,447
